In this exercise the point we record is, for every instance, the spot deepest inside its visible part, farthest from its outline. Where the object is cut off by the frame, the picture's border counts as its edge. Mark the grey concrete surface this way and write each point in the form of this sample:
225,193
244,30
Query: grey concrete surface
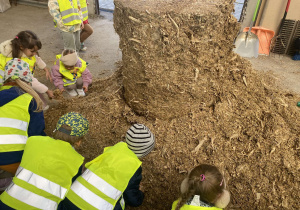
285,70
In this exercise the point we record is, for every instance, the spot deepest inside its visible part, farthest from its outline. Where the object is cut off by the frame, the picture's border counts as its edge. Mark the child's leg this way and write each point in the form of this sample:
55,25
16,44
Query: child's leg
71,89
77,40
69,40
86,32
79,84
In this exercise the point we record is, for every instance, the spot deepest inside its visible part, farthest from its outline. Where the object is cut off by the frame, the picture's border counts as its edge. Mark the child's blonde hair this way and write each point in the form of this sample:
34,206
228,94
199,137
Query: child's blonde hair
28,89
204,180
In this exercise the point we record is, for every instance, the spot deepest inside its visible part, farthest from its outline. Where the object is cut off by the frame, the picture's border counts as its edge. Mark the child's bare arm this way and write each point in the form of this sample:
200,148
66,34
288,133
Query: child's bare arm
48,76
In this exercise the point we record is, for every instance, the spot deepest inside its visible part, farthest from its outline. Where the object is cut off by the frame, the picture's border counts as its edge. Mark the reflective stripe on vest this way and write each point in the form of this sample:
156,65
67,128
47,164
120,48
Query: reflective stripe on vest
14,121
85,14
30,198
68,77
69,82
13,139
90,197
84,9
101,185
106,177
41,182
44,175
69,12
72,19
190,207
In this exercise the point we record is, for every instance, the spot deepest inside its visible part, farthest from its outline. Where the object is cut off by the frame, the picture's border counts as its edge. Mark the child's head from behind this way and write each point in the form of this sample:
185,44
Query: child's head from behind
140,140
69,58
17,69
17,73
207,182
26,42
71,128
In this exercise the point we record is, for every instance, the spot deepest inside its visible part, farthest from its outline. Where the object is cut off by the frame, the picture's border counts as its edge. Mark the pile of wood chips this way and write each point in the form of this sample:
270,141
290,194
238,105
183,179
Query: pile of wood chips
204,104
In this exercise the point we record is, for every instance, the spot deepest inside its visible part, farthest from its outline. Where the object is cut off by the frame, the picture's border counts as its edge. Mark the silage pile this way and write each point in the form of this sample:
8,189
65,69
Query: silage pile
203,103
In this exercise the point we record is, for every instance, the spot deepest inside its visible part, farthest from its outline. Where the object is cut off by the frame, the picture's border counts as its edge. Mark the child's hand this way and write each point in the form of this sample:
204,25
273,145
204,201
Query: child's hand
85,89
50,94
142,188
48,76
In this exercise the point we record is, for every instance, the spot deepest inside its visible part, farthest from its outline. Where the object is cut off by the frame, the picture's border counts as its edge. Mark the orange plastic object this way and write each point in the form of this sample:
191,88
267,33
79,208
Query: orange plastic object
264,36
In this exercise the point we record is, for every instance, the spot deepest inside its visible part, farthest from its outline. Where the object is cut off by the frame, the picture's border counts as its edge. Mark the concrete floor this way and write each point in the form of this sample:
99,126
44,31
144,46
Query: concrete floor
103,45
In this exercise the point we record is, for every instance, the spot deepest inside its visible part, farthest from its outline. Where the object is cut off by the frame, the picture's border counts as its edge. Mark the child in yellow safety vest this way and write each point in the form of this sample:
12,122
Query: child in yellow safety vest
25,46
113,179
48,167
21,116
203,189
70,74
67,18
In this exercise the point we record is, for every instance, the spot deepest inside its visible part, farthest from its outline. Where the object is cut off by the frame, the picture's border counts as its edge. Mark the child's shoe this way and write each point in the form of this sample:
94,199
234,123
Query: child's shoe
72,93
46,108
80,92
82,47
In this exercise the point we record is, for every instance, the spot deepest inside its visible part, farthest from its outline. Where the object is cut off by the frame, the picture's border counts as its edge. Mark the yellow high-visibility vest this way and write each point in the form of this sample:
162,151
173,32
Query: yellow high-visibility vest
105,180
69,13
44,175
14,121
84,9
5,87
189,207
70,78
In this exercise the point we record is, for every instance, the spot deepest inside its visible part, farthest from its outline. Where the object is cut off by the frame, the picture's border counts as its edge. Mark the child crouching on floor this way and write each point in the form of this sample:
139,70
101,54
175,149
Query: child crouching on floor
70,74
